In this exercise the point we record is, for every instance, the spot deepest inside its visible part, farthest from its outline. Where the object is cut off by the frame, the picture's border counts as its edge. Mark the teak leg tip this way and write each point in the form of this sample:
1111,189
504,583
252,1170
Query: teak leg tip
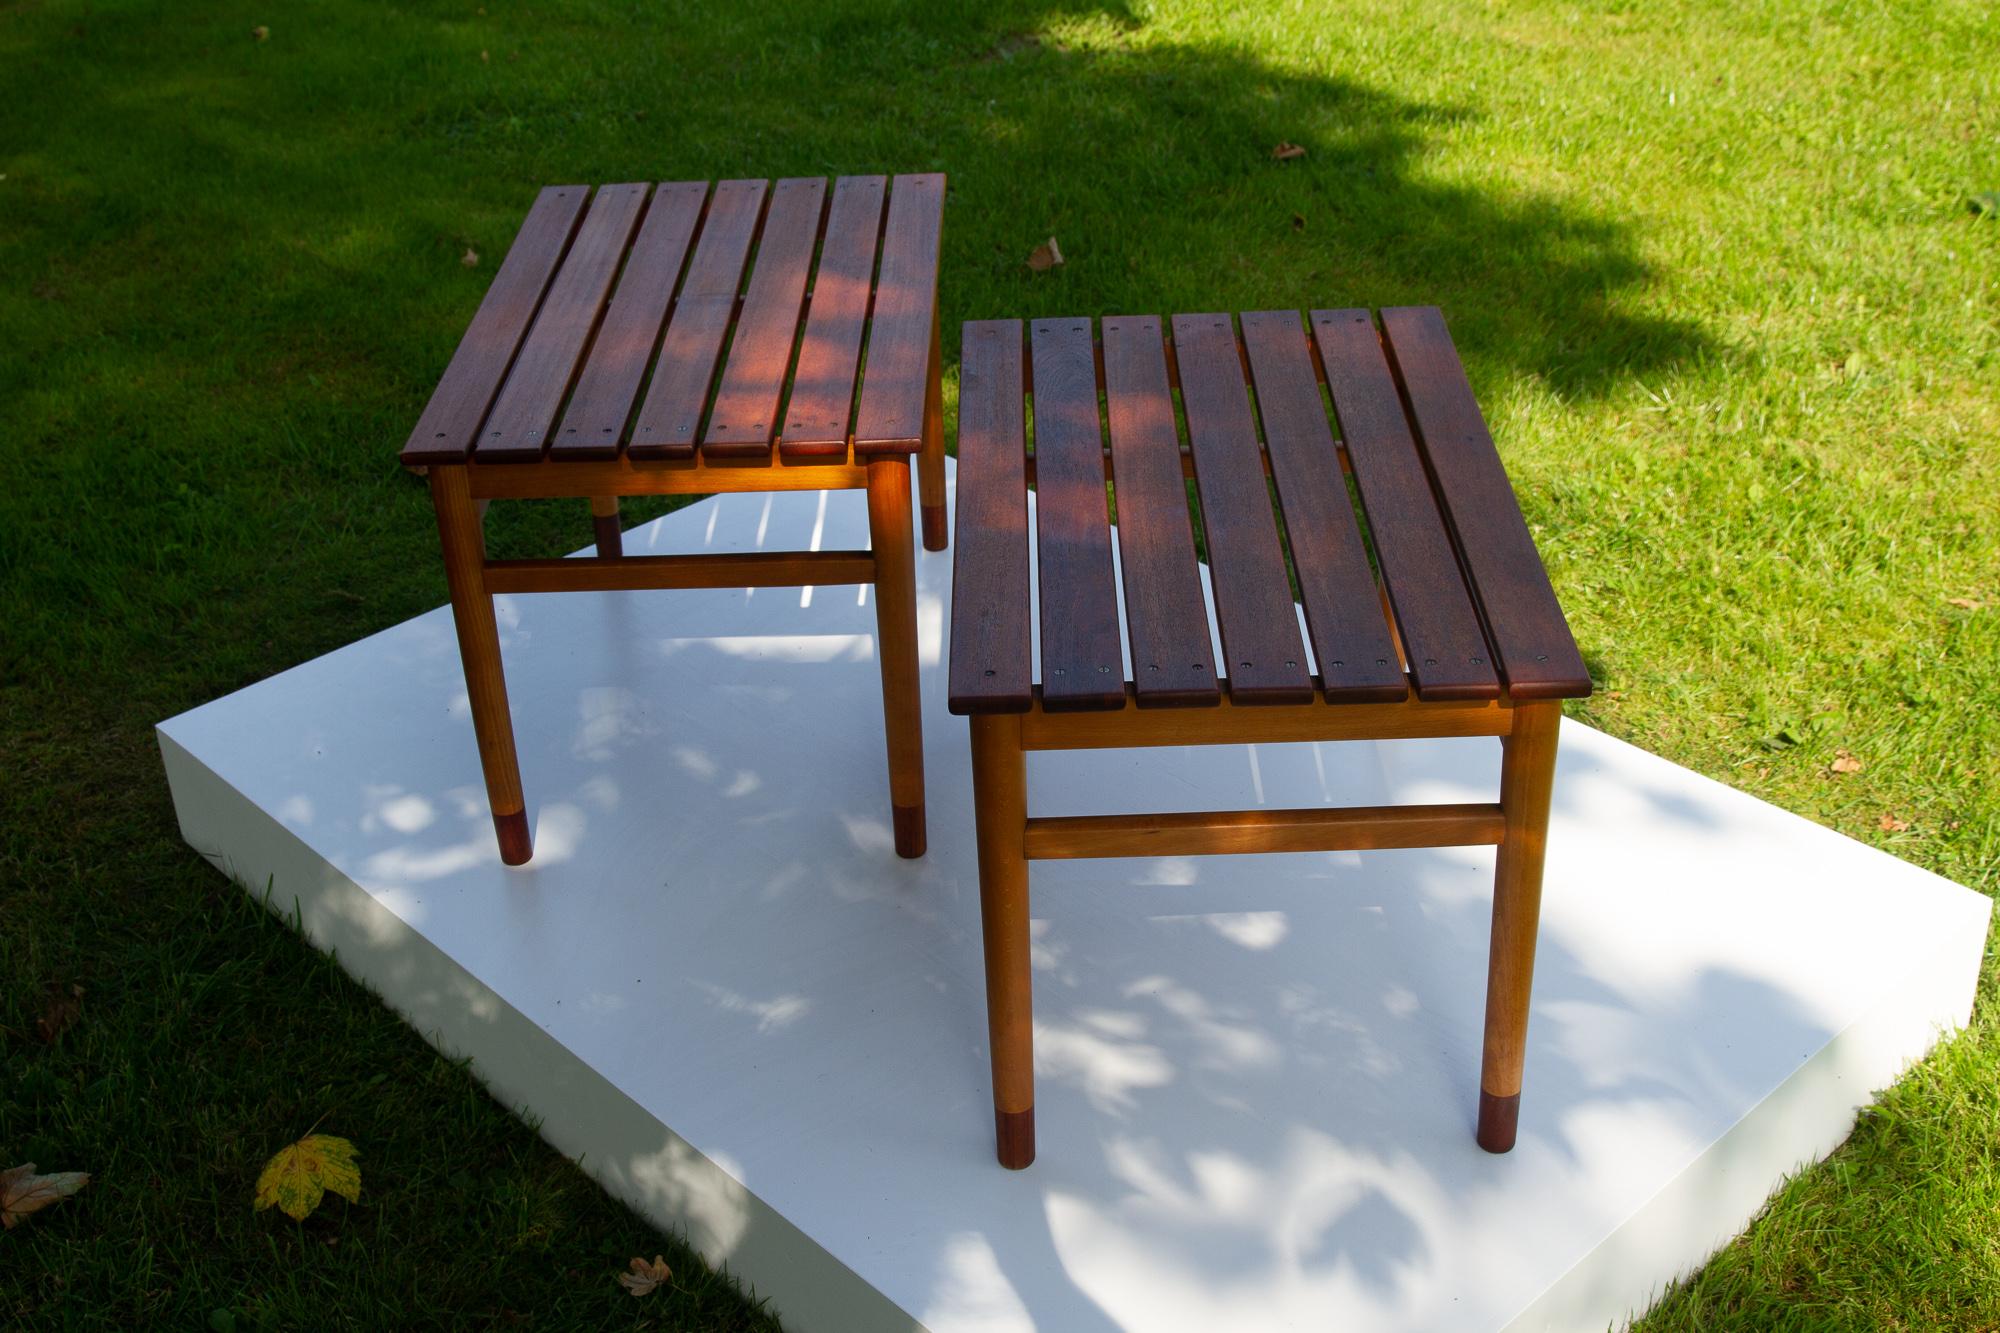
1014,1136
1499,1119
517,844
909,825
936,536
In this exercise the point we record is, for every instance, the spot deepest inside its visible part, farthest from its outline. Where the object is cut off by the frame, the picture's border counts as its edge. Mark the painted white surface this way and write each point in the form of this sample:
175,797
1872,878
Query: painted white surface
719,987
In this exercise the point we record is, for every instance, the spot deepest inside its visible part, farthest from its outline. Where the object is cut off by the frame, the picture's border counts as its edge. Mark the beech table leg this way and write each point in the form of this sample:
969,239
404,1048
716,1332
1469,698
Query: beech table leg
604,525
896,634
1000,814
464,542
1527,777
930,460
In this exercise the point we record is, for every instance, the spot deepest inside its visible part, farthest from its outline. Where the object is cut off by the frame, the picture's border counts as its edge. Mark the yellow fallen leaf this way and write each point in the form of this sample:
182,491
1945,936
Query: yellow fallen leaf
1046,256
1286,151
1963,603
23,1192
644,1276
471,259
1843,762
261,33
299,1176
1891,824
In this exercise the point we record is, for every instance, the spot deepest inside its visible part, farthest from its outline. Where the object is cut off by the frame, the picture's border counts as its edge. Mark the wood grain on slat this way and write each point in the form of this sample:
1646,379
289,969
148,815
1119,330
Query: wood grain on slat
1350,638
517,429
1173,662
744,419
671,415
822,401
1448,656
1538,655
1082,666
896,380
593,425
1264,656
990,638
458,405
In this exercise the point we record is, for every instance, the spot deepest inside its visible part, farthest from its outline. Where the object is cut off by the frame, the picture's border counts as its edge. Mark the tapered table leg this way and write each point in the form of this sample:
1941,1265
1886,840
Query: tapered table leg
1527,779
604,526
1000,814
896,634
462,536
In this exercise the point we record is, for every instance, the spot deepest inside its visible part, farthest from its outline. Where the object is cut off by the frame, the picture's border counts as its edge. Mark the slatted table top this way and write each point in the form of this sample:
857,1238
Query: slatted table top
605,326
1462,610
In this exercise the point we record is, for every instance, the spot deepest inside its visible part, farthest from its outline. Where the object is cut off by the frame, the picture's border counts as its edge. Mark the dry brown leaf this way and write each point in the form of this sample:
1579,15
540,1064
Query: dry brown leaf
1891,824
1963,603
471,259
23,1192
60,1010
1843,762
261,33
1286,151
644,1276
1046,256
485,57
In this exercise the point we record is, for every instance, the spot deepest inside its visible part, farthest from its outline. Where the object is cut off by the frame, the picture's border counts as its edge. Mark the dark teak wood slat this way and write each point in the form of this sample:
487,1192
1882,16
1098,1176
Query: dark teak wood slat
822,401
990,639
744,419
1264,656
672,413
1082,666
1448,656
896,380
1350,637
593,425
1173,660
517,429
1538,654
458,406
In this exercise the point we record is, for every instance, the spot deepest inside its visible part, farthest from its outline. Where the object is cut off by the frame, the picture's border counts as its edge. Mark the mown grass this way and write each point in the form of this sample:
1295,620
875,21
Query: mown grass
1712,267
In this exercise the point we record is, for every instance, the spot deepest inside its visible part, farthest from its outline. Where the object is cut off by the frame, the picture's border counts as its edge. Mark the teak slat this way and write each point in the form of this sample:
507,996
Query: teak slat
1173,660
1448,656
625,475
1236,832
896,381
744,419
1263,655
990,639
1357,659
444,432
822,401
671,415
1538,655
1260,724
1082,666
593,425
517,429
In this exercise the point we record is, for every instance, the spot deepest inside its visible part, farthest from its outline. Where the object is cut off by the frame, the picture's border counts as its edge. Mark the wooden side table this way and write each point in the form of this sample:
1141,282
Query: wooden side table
590,371
1450,629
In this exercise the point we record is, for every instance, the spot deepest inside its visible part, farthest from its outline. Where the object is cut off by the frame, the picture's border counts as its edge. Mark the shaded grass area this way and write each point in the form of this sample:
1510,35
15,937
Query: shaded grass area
1711,268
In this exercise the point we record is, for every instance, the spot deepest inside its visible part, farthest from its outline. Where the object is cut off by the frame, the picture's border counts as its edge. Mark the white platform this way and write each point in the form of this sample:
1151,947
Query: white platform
718,987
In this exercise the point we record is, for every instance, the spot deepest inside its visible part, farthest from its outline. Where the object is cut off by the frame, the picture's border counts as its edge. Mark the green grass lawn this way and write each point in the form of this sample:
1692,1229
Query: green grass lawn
1712,266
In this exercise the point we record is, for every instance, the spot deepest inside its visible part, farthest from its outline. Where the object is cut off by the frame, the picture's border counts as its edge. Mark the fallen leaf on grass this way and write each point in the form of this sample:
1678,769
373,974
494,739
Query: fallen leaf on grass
1843,762
1046,256
261,33
1963,603
23,1192
471,259
1298,222
299,1176
1891,824
485,57
59,1012
1286,151
644,1276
